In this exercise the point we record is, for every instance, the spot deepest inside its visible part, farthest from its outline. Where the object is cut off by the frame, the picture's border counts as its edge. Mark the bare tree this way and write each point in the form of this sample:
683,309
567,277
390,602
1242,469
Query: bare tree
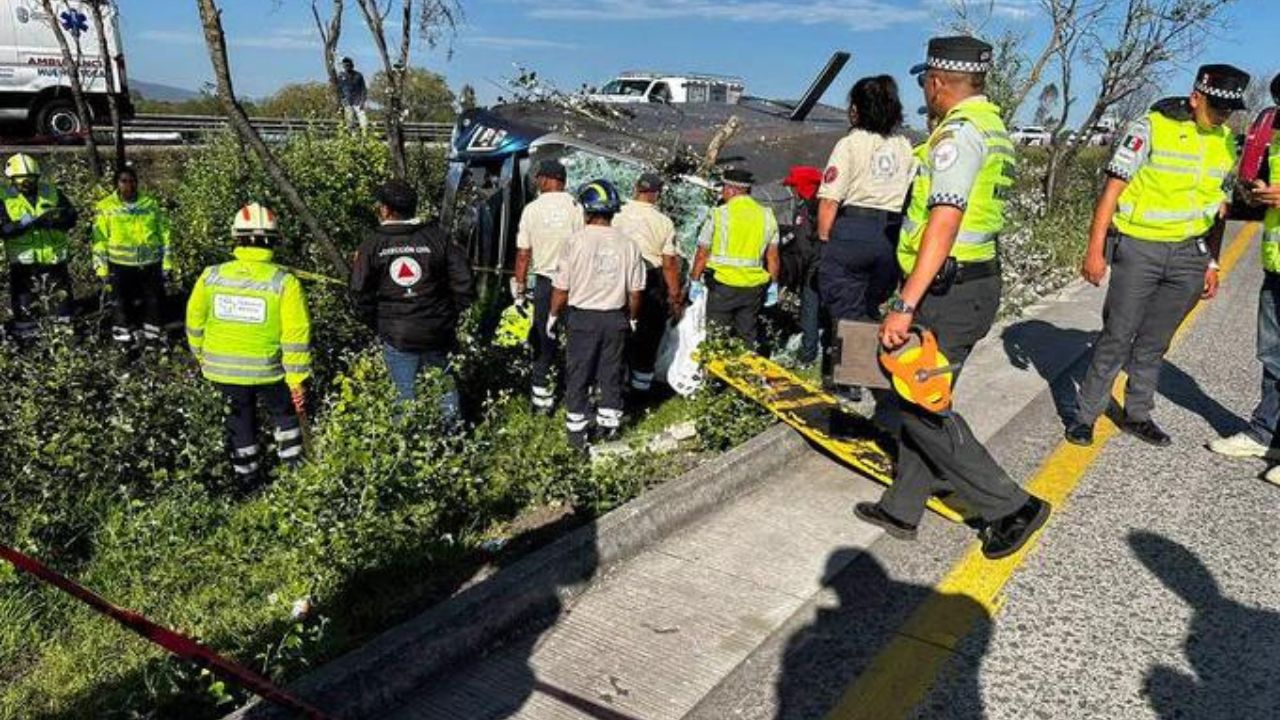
71,70
434,20
109,76
330,33
216,40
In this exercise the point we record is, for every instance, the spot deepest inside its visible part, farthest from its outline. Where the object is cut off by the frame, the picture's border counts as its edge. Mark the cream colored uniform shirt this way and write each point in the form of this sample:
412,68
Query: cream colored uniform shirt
600,267
653,232
545,225
869,170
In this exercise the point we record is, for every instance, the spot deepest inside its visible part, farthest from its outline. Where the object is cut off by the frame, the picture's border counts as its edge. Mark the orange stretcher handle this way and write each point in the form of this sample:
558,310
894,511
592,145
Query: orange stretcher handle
928,383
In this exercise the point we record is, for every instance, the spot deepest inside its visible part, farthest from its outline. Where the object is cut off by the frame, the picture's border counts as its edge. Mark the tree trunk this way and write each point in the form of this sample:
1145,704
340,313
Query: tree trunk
71,67
109,75
211,19
329,37
395,79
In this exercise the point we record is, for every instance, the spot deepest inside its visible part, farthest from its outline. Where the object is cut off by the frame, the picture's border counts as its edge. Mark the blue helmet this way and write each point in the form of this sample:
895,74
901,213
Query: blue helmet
599,197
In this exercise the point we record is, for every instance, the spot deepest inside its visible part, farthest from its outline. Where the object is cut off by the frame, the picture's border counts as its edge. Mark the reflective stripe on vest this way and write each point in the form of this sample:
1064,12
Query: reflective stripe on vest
131,233
738,242
241,339
1176,194
42,247
1271,223
983,219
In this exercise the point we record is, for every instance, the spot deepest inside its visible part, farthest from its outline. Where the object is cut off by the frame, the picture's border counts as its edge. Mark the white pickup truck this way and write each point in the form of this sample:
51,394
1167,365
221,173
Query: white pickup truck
645,87
1033,135
33,87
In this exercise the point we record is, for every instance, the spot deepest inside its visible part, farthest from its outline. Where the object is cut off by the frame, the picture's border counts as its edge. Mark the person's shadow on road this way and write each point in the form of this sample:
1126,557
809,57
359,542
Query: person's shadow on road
1048,349
825,658
1233,649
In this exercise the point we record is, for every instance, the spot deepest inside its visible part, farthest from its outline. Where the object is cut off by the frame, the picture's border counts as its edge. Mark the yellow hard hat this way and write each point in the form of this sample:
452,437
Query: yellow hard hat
21,165
255,221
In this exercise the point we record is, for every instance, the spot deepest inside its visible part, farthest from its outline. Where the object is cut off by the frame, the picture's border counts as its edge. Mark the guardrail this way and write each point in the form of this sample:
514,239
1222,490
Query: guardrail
182,129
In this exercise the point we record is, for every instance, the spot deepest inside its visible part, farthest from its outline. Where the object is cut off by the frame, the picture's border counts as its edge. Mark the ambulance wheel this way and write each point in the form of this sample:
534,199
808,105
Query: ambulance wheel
58,119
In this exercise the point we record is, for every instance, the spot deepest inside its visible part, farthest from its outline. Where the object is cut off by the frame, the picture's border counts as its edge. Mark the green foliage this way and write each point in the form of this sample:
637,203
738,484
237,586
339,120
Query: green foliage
301,100
427,97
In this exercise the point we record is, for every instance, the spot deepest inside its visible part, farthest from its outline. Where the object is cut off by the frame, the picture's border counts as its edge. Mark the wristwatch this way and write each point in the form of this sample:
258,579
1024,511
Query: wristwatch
898,305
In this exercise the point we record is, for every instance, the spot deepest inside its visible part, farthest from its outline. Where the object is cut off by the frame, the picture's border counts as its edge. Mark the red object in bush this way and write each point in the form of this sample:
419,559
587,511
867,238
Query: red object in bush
805,179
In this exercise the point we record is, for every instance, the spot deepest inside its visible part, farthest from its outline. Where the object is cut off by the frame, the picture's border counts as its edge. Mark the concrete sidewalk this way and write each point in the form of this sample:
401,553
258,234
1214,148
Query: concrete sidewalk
658,633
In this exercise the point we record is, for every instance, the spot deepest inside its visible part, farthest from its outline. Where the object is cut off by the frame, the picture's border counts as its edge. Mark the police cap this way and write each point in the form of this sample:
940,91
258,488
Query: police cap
741,178
1223,85
553,169
958,53
649,182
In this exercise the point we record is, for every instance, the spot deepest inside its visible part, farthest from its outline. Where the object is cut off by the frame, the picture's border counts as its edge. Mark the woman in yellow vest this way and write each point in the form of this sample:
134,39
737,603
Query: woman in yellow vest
1164,209
1260,438
131,255
247,324
34,229
739,245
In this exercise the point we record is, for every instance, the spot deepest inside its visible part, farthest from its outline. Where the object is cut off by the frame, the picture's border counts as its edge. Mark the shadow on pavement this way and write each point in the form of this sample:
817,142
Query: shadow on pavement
827,656
1233,649
1046,348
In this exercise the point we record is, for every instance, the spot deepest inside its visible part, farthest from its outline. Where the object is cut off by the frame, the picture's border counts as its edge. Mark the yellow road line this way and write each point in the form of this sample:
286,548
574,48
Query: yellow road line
901,675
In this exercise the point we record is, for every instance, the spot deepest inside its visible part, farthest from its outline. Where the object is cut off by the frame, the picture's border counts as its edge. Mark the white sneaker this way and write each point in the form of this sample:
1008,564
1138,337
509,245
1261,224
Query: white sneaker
1241,445
1273,475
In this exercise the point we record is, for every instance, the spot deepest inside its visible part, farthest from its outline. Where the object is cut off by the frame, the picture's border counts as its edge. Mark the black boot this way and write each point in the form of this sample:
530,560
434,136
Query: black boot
872,513
1146,431
1007,535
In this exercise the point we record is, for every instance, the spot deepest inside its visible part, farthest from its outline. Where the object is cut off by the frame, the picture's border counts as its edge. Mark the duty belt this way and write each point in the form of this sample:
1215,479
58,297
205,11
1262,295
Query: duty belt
859,211
968,272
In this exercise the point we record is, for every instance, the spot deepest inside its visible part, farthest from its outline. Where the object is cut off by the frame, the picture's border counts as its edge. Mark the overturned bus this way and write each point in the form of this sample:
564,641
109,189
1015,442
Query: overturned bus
493,153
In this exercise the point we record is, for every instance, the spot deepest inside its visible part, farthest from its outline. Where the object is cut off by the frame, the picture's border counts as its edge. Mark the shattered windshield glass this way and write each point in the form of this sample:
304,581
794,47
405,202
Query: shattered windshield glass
626,87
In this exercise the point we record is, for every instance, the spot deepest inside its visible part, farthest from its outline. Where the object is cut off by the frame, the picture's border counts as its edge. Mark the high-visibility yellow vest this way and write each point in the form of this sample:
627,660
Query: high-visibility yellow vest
739,239
1271,223
34,247
134,234
984,216
247,322
1177,193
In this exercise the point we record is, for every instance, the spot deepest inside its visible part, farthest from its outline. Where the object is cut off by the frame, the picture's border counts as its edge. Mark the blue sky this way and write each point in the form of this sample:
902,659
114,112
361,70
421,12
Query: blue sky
777,45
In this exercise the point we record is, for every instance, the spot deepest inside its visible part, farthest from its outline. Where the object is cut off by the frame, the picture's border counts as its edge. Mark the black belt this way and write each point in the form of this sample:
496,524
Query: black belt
859,211
968,272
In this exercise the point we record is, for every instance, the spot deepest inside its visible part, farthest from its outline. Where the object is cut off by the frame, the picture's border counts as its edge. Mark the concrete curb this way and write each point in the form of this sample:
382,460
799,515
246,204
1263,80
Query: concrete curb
371,678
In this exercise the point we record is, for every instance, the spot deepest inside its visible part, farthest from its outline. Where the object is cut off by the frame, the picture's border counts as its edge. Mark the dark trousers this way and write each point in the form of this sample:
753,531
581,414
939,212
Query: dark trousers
643,348
736,309
241,427
27,283
139,295
545,349
1266,416
859,266
810,318
1153,287
940,452
596,347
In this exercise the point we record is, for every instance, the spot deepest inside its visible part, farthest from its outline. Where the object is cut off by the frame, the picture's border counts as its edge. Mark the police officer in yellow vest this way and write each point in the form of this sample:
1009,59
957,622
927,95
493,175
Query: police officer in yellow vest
247,323
131,255
739,244
34,229
1163,211
1260,438
947,252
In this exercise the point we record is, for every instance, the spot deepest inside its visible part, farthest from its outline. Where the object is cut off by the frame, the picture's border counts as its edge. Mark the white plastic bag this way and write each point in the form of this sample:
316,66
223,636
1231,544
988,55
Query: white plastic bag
675,365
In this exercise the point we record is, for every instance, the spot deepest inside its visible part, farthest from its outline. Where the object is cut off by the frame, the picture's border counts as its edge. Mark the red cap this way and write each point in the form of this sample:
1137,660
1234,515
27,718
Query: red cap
805,180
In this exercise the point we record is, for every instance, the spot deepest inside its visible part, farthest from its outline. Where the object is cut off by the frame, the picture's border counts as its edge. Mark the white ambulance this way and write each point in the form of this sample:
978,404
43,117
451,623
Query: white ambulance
33,87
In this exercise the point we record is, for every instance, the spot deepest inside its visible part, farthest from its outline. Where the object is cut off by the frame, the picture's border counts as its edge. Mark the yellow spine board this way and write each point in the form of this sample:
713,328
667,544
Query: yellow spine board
797,403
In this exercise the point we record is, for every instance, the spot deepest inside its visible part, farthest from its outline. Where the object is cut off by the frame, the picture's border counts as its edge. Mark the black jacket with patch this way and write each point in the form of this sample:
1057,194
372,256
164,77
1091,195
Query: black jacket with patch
411,285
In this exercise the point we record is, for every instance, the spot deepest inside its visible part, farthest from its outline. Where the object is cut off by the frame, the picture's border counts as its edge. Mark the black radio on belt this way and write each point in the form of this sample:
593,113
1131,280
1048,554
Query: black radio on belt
946,277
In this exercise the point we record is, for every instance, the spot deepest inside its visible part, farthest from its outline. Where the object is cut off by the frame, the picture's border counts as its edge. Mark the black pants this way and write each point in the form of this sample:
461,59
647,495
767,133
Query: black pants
648,336
938,452
545,349
139,298
859,266
27,283
736,309
596,347
241,427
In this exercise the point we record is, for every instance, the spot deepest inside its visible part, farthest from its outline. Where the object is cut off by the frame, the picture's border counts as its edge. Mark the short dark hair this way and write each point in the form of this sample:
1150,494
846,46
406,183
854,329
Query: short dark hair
348,61
124,170
400,198
877,103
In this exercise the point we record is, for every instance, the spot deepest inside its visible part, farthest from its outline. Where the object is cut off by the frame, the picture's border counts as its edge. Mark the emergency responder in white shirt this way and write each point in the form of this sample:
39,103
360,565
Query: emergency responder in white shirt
545,225
601,280
655,236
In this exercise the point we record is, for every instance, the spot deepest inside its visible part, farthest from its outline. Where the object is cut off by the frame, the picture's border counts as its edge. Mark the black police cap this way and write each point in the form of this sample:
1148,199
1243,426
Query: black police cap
1223,85
734,176
649,182
958,53
553,169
